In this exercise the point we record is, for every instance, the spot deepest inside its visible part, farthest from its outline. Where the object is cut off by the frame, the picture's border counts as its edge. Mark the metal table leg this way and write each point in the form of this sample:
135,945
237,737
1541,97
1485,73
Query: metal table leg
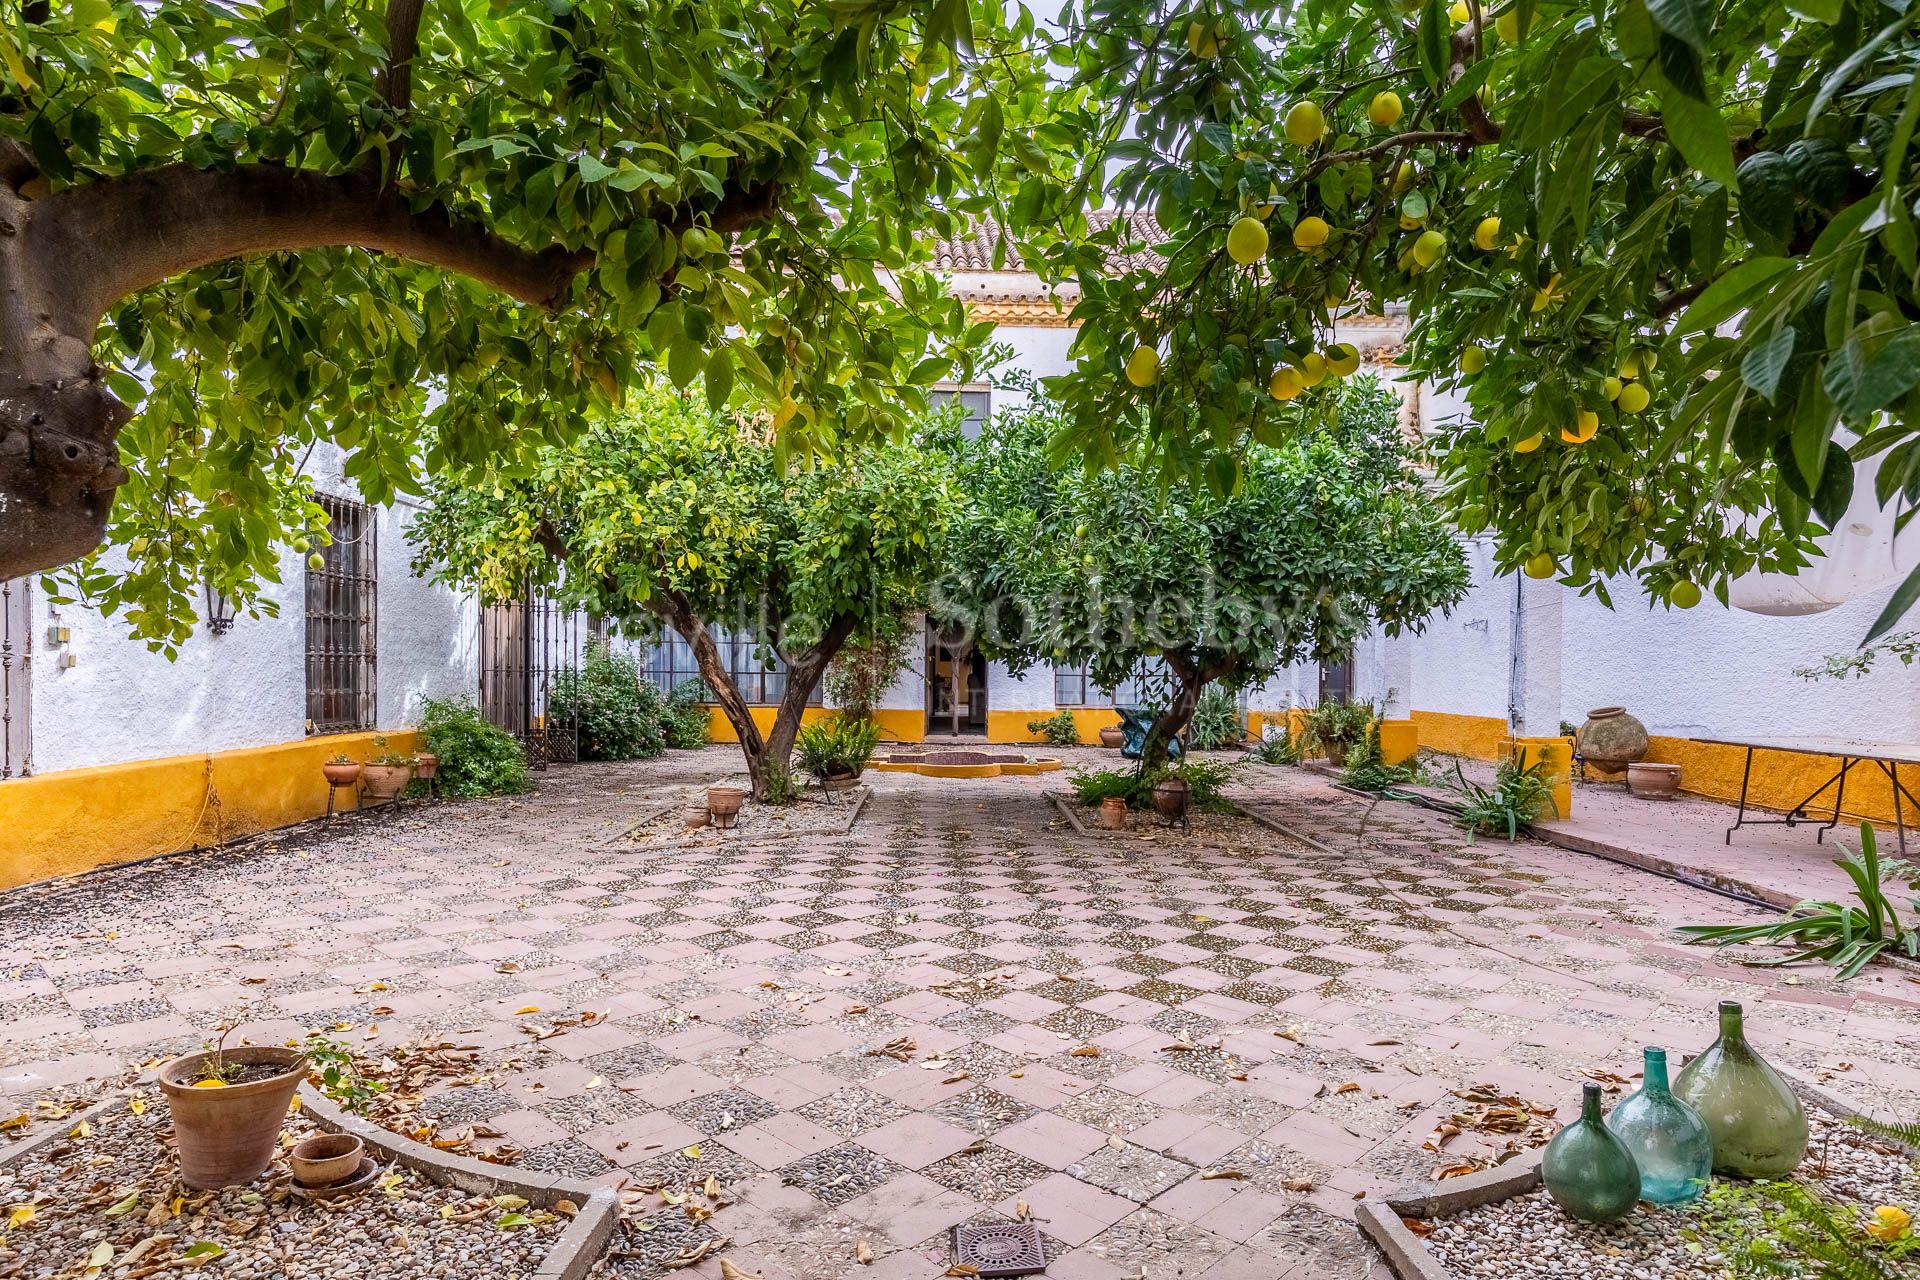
1740,816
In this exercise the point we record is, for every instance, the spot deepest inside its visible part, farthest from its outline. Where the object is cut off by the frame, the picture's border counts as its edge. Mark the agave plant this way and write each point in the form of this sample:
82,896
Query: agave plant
1844,935
1517,797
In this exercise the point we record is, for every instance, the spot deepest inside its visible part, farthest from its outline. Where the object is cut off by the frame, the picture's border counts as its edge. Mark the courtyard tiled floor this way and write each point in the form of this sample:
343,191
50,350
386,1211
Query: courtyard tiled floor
1234,987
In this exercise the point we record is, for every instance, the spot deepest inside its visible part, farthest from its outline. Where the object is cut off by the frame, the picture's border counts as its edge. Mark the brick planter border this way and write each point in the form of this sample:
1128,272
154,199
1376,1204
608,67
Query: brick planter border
1409,1258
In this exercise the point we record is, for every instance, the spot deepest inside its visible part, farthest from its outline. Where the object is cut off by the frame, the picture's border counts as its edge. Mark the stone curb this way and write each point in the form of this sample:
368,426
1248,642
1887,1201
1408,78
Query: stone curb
580,1244
654,815
1066,811
22,1148
1410,1259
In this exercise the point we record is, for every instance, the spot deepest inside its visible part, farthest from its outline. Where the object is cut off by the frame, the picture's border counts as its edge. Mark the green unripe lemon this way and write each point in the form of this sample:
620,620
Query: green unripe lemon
1684,595
1633,398
1247,241
1473,360
1541,566
316,562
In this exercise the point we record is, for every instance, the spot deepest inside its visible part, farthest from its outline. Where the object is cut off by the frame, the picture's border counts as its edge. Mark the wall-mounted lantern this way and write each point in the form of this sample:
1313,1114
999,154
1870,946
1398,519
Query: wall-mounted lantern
219,611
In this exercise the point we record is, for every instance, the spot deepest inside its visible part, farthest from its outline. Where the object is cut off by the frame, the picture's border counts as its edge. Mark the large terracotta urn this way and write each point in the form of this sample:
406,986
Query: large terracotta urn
1611,739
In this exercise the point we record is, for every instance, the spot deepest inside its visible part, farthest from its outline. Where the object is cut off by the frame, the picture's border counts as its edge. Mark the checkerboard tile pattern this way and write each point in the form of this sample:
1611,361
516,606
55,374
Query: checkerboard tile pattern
1094,1026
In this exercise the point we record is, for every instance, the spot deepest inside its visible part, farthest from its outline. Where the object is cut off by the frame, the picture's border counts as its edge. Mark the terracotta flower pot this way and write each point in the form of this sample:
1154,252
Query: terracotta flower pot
426,764
1112,738
385,781
1337,754
840,781
341,775
697,816
1113,813
1611,739
1653,781
724,803
326,1159
1171,797
227,1134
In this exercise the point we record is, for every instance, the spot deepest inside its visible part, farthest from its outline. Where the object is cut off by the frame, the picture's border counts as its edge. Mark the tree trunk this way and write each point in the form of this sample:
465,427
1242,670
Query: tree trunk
679,615
67,258
803,676
1193,680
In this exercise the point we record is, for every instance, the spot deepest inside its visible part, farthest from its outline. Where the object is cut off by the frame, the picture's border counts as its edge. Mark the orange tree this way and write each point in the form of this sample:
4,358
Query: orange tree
230,231
671,514
1664,249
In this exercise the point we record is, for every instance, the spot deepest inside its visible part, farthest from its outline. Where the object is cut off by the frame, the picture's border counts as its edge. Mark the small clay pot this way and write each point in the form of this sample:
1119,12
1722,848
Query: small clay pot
697,816
341,775
1111,737
1653,781
840,781
385,781
426,764
1113,813
326,1159
1171,797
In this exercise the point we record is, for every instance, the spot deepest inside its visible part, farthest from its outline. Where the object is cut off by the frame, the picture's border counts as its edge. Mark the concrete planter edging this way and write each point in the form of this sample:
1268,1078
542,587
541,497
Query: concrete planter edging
580,1244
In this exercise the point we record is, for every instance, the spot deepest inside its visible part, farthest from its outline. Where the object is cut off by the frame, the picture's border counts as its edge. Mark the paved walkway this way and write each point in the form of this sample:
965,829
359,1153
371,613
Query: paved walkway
1296,1015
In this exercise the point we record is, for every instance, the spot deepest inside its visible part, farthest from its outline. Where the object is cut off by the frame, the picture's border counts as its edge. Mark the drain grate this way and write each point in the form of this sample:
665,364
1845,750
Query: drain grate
999,1249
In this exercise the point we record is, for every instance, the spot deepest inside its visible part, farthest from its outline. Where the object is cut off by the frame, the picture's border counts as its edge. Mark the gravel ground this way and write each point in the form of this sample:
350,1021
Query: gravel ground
814,814
1528,1236
108,1201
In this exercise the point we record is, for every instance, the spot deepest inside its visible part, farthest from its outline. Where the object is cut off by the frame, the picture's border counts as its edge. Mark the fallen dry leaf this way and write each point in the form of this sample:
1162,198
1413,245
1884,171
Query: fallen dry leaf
1215,1175
728,1271
863,1254
1086,1051
1297,1184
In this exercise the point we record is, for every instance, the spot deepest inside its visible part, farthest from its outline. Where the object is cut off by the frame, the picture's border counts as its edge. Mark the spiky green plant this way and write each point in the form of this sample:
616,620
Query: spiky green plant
1844,935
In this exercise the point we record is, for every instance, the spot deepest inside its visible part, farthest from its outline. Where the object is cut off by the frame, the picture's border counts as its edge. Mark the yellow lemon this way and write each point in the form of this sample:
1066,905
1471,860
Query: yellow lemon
1304,125
1313,368
1612,387
1890,1224
1409,223
1541,566
1143,367
1385,109
209,1084
1684,595
1507,26
1582,429
1487,234
1473,360
1460,13
1634,398
1247,241
1310,233
1529,444
1403,177
1343,359
1543,298
1429,248
1203,40
1285,383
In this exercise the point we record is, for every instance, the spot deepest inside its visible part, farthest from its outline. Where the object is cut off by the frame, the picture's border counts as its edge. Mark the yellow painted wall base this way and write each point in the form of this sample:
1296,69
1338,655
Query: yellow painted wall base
1011,726
1780,780
63,823
1556,756
901,724
720,729
1399,741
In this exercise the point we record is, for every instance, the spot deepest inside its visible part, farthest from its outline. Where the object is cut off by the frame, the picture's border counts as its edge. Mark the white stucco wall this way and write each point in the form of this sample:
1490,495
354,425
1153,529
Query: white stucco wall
122,701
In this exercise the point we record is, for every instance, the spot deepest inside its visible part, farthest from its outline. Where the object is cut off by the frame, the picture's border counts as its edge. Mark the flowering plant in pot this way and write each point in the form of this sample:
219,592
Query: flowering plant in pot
836,750
228,1106
341,771
387,772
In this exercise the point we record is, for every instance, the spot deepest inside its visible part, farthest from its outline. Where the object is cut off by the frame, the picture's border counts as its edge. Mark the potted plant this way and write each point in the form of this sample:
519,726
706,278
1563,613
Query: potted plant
341,771
425,765
1335,727
1171,796
836,750
388,772
1111,737
228,1106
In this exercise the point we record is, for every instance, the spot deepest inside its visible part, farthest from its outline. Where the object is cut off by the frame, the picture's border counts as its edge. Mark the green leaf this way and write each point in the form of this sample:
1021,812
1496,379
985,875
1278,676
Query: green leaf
1861,384
1767,361
1835,490
1730,293
1689,20
1697,130
1897,606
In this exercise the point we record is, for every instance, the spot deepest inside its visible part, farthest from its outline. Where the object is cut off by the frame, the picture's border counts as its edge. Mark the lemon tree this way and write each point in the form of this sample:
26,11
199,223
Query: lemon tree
1326,537
672,514
1664,249
232,230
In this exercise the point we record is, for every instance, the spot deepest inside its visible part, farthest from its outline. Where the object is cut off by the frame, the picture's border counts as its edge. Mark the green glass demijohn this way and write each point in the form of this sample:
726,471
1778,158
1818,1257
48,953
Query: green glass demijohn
1759,1127
1667,1138
1589,1172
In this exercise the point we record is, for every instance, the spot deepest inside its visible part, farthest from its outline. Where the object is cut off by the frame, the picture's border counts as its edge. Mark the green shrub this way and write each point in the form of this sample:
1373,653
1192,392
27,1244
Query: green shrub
1277,746
1216,721
1058,729
476,758
1367,770
684,718
839,744
1091,786
1337,725
1208,779
1517,797
619,712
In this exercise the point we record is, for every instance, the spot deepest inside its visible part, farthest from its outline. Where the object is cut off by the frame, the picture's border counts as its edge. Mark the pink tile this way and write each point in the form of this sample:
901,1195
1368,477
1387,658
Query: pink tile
916,1141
